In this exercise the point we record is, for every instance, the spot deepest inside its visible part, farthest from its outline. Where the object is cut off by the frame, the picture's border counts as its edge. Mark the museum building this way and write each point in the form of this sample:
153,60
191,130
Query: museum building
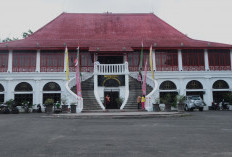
34,69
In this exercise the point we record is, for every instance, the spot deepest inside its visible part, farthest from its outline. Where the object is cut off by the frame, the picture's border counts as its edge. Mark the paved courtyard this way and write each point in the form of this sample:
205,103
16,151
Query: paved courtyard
202,134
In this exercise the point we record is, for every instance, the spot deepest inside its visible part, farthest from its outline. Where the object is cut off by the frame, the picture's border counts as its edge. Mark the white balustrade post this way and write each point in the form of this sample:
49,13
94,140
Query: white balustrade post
38,61
10,61
206,60
180,60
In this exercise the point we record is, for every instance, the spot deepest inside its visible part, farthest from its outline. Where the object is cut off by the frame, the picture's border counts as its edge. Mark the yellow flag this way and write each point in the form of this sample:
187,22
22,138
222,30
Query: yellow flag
151,62
67,63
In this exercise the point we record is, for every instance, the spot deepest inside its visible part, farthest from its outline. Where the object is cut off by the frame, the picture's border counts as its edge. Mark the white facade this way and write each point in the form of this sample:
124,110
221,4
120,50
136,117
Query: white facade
180,78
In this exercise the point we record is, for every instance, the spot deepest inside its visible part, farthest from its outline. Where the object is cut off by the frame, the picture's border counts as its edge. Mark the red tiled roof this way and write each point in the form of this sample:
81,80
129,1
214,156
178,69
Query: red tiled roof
108,32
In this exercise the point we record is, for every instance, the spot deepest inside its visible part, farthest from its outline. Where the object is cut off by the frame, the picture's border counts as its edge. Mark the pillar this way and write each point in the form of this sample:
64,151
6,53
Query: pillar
180,60
38,61
208,96
10,58
206,60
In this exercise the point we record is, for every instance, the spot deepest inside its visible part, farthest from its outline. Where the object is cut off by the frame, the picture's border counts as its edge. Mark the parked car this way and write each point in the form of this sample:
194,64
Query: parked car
193,102
4,109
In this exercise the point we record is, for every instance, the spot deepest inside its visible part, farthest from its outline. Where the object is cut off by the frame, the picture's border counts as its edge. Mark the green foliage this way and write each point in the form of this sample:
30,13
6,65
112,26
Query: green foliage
64,101
24,35
49,102
228,98
10,103
179,99
167,99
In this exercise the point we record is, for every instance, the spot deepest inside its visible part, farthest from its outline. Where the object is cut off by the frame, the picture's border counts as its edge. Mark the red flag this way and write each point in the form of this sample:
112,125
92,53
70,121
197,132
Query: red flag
144,89
78,74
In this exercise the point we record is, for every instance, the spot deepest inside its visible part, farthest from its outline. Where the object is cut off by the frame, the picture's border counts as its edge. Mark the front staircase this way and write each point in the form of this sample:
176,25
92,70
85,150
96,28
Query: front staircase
135,89
89,101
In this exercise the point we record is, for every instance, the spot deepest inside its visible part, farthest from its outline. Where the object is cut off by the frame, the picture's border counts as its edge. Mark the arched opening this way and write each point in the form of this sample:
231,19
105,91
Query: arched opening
168,87
1,94
51,90
194,87
220,90
23,93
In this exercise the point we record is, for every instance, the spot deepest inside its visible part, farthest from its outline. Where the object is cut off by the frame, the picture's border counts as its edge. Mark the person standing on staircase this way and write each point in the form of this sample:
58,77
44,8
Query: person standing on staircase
143,102
139,102
107,101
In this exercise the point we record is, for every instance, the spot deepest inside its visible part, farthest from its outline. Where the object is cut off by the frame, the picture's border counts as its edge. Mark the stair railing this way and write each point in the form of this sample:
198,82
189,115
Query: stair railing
150,97
72,97
111,69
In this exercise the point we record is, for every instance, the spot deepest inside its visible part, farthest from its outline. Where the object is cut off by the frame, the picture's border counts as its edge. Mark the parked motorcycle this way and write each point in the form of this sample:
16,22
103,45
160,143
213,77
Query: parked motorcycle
224,105
215,106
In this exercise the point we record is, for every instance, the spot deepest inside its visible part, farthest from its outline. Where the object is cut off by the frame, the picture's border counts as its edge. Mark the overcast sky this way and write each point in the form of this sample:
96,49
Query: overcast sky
209,20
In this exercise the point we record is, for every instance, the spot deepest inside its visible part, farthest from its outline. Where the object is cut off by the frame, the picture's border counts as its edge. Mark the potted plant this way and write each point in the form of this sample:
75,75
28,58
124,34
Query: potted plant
73,107
49,105
57,108
11,105
156,107
179,101
168,101
64,105
119,101
26,106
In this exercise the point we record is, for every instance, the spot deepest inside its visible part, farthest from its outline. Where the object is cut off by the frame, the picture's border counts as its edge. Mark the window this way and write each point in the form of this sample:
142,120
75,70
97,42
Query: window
1,88
220,84
52,61
219,60
3,61
24,61
86,62
193,60
51,86
23,87
167,85
166,60
133,61
194,85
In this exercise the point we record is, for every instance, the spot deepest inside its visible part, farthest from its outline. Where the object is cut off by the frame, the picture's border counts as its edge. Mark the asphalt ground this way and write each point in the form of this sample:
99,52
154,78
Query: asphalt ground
200,134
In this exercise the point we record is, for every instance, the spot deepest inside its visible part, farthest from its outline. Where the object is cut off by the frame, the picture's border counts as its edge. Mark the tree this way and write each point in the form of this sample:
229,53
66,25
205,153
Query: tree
24,35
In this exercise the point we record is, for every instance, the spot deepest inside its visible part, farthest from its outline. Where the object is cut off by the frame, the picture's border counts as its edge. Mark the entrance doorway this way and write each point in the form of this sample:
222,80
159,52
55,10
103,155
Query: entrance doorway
110,59
114,103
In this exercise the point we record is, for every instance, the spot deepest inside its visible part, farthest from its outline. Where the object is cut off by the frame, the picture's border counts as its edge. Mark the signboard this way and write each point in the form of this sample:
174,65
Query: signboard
111,80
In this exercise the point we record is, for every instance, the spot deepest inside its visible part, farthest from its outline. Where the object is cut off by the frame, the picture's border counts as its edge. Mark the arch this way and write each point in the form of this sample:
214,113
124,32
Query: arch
111,82
51,86
23,87
194,84
220,84
167,85
1,88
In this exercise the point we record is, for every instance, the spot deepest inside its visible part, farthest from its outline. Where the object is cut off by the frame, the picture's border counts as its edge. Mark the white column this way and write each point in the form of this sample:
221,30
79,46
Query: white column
65,61
208,96
231,59
10,58
38,61
37,93
206,60
180,60
9,90
153,58
181,87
